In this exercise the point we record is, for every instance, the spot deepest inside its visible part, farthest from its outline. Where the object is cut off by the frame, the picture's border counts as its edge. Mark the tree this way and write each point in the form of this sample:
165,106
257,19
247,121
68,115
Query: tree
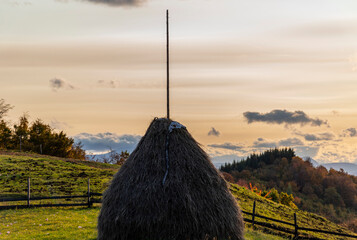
116,158
333,197
40,134
21,133
5,135
77,151
4,108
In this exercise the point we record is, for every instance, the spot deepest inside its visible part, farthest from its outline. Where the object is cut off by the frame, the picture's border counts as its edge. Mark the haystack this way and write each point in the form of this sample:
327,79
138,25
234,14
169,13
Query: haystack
168,189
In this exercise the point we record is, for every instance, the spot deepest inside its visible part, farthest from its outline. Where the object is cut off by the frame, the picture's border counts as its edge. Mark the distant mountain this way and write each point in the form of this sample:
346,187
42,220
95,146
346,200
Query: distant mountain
314,162
350,168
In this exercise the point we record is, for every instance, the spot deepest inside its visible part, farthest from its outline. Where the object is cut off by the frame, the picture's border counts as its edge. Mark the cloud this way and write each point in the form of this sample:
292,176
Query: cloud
261,143
283,116
58,83
229,146
290,142
349,132
353,61
317,137
218,161
326,29
306,151
118,3
102,142
20,3
59,125
214,132
107,84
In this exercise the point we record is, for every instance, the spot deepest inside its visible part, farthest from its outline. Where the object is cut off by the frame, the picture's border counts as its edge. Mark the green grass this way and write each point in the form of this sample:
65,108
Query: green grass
278,211
49,223
51,176
56,176
65,223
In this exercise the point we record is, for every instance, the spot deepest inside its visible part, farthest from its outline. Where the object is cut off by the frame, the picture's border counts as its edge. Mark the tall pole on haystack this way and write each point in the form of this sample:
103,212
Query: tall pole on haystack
167,65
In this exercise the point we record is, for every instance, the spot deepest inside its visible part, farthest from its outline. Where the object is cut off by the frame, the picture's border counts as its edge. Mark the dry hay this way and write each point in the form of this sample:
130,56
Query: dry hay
193,203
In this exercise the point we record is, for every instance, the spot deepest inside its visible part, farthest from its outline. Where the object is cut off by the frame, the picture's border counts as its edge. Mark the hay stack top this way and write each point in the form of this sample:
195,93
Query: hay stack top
193,202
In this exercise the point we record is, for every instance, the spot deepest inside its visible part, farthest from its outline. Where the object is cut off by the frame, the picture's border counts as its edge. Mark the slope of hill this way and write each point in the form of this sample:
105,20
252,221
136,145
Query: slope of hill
51,176
329,193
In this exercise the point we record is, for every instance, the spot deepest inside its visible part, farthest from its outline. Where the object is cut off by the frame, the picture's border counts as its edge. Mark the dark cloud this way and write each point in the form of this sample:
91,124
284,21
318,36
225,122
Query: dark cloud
262,143
283,116
118,3
214,132
289,142
349,132
318,137
58,83
229,146
102,142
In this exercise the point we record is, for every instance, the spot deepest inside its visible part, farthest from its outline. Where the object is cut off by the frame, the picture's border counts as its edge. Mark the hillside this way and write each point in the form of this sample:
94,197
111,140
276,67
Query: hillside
329,193
51,176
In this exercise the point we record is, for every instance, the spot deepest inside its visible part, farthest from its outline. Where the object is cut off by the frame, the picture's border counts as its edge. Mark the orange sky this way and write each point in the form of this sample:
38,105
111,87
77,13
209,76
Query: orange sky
227,58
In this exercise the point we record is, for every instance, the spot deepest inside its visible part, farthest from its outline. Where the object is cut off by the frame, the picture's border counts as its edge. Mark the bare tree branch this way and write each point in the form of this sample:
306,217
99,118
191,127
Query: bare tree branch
4,108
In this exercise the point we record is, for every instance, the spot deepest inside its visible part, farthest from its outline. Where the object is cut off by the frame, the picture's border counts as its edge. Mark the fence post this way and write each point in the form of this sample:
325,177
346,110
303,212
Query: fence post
28,192
296,227
253,215
89,202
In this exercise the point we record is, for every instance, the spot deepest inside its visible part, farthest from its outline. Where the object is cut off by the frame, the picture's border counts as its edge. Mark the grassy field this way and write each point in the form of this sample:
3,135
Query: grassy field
56,176
65,223
51,175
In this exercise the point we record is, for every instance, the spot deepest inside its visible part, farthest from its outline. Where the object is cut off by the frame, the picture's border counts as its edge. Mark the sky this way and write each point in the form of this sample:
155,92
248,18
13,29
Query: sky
246,76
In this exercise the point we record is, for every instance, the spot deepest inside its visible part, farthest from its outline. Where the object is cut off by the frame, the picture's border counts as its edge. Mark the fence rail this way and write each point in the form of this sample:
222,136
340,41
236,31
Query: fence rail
88,197
294,231
89,202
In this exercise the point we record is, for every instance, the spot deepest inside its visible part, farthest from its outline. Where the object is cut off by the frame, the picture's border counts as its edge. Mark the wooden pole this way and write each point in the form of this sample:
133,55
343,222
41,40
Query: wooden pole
296,227
253,215
28,192
167,66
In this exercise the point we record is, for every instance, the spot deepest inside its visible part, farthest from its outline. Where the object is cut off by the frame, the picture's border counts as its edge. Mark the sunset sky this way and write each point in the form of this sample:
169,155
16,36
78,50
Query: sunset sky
246,75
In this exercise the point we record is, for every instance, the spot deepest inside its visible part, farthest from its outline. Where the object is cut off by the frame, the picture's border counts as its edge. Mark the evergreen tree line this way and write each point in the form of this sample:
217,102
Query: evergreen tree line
328,192
254,160
37,137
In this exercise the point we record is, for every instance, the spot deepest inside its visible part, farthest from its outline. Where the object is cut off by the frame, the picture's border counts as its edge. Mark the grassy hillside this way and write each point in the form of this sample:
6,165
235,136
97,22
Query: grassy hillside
51,175
56,176
281,212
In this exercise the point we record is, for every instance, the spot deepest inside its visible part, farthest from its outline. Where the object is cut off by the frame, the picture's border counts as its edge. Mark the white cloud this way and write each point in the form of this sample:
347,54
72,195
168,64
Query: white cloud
102,142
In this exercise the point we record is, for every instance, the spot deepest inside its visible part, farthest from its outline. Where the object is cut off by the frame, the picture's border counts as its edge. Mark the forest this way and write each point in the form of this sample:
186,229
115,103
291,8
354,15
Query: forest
330,193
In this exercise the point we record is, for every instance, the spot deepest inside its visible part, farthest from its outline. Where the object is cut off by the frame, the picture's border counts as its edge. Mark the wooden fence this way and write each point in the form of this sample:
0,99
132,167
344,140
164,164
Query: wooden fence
87,197
89,202
294,231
